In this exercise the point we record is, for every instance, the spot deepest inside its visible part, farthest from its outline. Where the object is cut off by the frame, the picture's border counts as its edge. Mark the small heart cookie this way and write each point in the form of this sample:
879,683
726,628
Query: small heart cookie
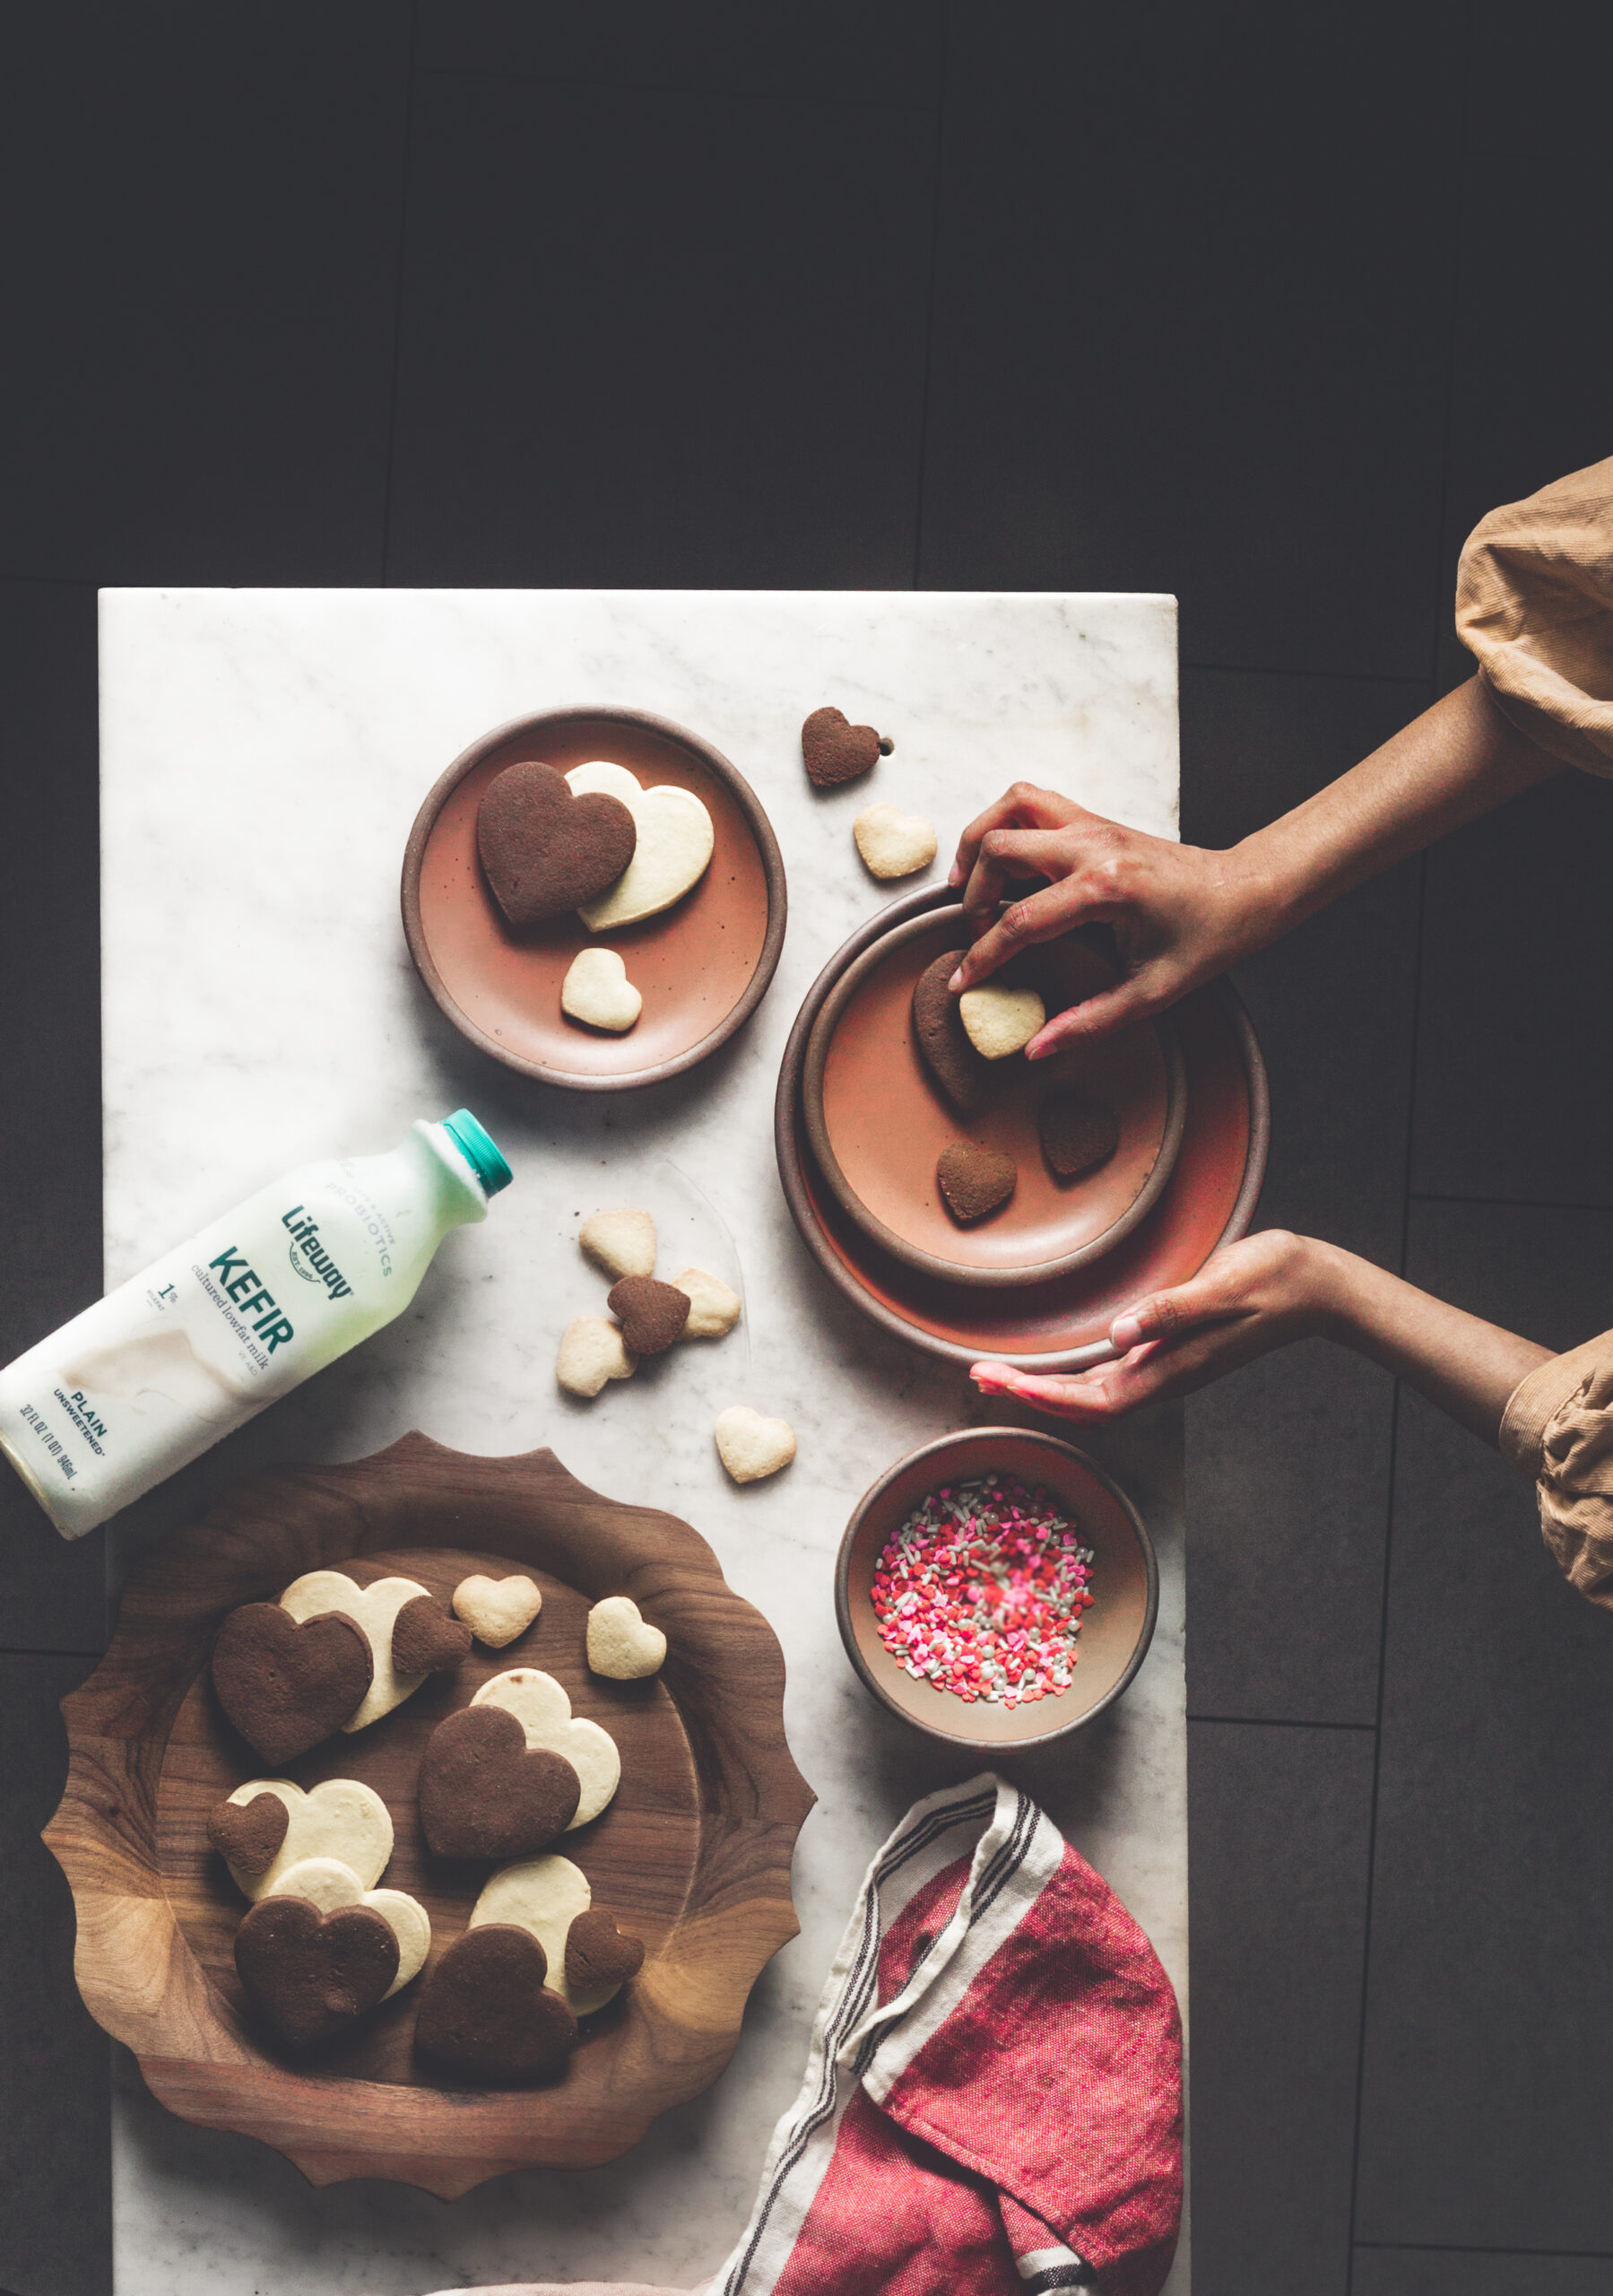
544,1896
597,992
834,751
375,1611
485,1793
485,2015
329,1884
893,844
652,1315
621,1643
675,841
999,1022
621,1243
1078,1133
306,1973
545,848
268,1825
287,1684
963,1077
975,1181
425,1640
598,1955
752,1446
592,1351
713,1308
497,1610
541,1706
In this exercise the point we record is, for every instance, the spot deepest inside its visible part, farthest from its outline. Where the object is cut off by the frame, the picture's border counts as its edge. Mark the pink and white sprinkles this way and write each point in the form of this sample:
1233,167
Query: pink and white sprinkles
982,1590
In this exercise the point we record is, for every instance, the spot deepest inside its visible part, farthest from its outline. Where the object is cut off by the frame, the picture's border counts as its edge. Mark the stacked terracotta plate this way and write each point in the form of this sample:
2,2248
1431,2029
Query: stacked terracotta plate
859,1125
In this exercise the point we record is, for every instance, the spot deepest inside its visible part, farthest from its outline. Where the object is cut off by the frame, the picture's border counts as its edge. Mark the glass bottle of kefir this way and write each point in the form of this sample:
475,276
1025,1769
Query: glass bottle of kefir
220,1328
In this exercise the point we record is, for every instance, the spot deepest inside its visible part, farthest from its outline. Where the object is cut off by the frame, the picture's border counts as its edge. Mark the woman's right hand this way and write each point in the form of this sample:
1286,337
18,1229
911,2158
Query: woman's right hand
1179,915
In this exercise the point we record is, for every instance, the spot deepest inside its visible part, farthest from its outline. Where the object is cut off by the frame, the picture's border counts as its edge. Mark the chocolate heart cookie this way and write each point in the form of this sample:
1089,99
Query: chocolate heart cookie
485,2015
483,1793
544,851
1078,1133
834,751
425,1640
974,1180
652,1315
308,1973
248,1835
963,1075
285,1686
598,1955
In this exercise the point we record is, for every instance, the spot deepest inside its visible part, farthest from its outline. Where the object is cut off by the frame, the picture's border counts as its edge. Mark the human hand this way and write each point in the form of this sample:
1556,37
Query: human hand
1179,914
1254,1296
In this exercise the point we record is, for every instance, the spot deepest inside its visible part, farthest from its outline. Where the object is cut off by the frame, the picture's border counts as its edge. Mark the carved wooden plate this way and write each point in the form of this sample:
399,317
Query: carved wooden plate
693,1855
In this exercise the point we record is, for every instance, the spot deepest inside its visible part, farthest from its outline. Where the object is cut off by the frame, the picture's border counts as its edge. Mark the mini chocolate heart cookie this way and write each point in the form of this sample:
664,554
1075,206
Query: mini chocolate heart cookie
306,1973
543,848
973,1181
286,1686
248,1835
598,1953
485,2015
483,1793
962,1075
425,1640
834,751
1078,1133
652,1314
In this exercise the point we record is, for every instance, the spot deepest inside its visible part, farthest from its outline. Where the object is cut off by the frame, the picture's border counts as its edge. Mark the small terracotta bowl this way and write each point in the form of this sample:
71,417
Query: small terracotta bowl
702,966
1115,1638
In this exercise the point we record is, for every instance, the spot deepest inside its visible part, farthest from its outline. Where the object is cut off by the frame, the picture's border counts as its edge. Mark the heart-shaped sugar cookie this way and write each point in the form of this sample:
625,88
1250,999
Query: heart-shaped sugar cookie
306,1973
329,1884
963,1077
652,1315
675,841
425,1640
621,1243
621,1643
752,1446
340,1818
487,2015
998,1021
285,1683
597,992
497,1610
592,1351
545,848
542,1708
544,1896
375,1611
713,1308
597,1954
893,844
485,1793
833,751
975,1181
1078,1133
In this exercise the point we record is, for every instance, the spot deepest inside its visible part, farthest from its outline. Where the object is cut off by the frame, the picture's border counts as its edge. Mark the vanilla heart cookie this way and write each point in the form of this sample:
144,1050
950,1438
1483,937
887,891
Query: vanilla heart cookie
329,1884
713,1308
546,1897
675,841
597,992
893,844
999,1022
309,1974
592,1351
752,1446
834,751
269,1825
542,1708
405,1643
497,1610
487,2015
621,1643
621,1243
545,848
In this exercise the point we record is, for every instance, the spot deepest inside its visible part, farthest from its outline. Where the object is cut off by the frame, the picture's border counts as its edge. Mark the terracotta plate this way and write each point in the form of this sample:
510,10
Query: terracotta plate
693,1853
702,966
1114,1635
877,1122
1210,1199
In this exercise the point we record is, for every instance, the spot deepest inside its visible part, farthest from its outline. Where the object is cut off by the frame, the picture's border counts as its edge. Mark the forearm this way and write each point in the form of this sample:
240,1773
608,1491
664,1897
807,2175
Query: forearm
1456,761
1467,1367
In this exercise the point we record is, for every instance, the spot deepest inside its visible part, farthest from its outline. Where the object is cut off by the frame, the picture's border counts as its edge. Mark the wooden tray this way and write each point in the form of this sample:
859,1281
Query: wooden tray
693,1855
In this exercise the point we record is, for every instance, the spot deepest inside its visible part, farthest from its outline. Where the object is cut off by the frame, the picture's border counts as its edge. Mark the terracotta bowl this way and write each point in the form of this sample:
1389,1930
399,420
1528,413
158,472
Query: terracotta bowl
877,1122
1117,1630
1210,1199
702,966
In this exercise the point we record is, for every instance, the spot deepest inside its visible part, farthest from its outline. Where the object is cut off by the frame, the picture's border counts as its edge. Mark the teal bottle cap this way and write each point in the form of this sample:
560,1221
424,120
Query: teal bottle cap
481,1151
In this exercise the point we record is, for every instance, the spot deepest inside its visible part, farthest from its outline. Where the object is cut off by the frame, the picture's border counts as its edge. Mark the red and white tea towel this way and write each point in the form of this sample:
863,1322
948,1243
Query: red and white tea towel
992,2100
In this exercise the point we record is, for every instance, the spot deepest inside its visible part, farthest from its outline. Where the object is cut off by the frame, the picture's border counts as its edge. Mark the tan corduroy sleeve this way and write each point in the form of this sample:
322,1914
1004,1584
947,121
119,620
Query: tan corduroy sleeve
1534,603
1558,1427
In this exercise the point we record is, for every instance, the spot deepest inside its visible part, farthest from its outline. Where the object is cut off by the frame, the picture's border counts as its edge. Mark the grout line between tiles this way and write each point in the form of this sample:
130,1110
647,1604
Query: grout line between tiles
671,88
1278,1722
923,402
406,172
1515,1203
1470,2248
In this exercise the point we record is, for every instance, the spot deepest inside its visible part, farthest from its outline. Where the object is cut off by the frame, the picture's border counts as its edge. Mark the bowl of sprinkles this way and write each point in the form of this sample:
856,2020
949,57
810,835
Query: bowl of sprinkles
996,1588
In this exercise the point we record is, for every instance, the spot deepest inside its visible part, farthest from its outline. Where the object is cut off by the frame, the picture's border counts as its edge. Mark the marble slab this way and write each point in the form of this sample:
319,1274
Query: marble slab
263,753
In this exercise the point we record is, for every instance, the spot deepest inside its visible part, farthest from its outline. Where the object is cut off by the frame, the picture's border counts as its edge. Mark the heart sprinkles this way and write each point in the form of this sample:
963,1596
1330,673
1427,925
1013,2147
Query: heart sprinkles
982,1591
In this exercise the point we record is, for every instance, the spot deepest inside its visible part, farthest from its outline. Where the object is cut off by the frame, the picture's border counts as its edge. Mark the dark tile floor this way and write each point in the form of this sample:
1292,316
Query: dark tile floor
1257,305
